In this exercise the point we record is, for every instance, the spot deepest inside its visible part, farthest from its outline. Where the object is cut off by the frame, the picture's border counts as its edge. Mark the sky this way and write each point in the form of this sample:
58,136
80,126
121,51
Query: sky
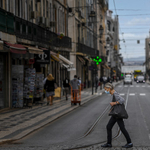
135,26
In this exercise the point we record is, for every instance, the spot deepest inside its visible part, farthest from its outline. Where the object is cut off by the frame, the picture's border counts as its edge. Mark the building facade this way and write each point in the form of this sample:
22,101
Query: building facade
147,56
34,42
114,58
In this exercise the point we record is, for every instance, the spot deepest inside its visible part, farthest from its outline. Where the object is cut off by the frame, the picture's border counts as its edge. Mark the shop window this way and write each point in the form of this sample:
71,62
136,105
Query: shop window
34,31
17,26
29,30
13,61
24,28
1,3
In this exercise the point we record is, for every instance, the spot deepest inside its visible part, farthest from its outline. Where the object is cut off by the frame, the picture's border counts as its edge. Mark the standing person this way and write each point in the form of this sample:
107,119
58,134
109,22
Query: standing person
66,85
101,82
79,79
50,88
104,80
108,79
75,86
116,99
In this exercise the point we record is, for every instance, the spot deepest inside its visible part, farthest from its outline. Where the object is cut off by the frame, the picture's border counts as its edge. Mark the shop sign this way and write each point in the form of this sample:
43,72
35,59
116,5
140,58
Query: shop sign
43,58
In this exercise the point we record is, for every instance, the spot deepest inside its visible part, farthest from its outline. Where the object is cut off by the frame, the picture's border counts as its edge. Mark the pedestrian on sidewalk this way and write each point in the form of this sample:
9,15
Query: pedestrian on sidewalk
75,86
50,88
116,99
66,85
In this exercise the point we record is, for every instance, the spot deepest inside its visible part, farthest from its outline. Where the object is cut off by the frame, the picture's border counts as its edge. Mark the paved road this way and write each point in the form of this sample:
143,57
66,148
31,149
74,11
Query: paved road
65,132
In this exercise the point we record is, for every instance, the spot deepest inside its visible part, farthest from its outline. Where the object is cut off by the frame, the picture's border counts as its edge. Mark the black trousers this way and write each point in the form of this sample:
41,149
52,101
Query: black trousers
110,125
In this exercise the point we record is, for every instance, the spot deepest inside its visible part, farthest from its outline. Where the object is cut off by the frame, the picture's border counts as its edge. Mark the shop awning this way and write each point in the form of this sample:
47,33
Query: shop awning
66,66
33,50
1,45
80,54
65,60
81,60
55,57
107,67
16,48
43,48
87,59
103,66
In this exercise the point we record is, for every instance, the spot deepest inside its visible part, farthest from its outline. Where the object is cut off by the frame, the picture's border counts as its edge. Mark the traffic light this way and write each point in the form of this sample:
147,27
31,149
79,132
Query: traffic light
97,60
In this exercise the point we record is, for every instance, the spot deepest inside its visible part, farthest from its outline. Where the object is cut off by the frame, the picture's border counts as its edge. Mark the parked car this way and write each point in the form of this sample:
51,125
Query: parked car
128,80
140,79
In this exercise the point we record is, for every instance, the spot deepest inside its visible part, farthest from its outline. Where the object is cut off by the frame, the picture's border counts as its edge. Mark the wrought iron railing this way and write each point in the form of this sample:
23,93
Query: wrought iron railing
27,30
87,50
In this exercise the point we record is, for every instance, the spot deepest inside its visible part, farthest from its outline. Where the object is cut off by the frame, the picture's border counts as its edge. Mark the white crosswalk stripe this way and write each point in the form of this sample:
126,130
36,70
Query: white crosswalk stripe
132,94
142,94
131,86
119,86
143,86
125,86
122,94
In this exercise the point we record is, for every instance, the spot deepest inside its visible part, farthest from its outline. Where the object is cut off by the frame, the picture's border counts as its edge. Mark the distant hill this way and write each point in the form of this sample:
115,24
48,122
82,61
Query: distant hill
139,59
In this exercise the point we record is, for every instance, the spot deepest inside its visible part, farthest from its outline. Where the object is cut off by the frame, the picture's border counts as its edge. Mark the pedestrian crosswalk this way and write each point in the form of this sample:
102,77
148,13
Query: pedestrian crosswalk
132,86
133,94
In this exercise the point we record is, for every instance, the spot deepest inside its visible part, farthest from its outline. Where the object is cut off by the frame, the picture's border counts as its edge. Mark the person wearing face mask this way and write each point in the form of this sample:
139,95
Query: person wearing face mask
116,99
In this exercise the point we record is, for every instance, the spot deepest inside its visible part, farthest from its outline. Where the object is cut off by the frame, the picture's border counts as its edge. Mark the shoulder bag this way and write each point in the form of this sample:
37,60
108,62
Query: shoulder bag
118,110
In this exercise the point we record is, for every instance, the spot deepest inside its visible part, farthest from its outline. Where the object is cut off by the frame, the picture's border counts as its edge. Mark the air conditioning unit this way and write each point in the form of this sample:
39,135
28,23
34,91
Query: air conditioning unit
41,20
52,24
47,22
33,14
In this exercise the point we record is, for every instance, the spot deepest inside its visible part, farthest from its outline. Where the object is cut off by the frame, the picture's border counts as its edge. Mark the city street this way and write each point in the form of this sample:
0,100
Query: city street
71,130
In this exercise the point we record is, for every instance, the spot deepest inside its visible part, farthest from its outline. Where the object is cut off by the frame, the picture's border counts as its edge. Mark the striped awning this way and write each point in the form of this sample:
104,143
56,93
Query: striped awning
33,50
81,60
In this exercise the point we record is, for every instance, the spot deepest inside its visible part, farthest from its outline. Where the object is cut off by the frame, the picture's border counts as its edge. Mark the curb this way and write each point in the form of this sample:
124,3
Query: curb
25,133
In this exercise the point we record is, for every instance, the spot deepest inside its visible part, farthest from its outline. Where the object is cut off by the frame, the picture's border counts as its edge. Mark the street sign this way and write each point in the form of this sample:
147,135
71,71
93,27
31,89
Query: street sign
43,58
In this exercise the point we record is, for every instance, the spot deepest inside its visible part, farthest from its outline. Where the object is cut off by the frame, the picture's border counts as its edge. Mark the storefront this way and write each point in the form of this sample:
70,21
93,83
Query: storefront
4,102
26,82
60,67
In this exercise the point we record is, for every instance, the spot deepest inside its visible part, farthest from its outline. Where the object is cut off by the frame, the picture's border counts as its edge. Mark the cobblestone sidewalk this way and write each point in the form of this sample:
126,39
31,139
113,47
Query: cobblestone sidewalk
15,124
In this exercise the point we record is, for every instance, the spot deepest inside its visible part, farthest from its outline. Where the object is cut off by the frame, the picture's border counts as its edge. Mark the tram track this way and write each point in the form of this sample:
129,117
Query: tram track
91,129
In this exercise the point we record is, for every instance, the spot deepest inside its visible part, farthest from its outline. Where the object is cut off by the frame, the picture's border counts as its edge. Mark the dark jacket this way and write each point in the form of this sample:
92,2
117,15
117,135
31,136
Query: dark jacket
49,86
66,83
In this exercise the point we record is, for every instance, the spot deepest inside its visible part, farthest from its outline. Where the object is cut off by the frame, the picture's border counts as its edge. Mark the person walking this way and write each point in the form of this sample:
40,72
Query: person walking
50,88
116,99
75,86
66,85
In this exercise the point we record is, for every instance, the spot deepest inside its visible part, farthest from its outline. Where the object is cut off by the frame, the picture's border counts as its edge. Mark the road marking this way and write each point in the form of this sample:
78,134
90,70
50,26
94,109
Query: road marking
131,94
143,86
148,86
137,86
119,86
122,94
125,86
131,86
142,94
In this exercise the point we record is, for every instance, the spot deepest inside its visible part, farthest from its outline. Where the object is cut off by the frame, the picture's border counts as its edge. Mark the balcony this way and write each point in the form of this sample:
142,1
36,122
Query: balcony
104,4
27,30
87,50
